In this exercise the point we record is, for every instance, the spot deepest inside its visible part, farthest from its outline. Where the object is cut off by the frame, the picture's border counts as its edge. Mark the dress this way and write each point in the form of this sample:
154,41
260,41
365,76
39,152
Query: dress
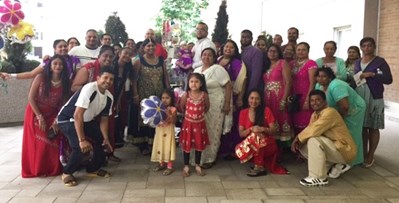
194,133
231,139
215,77
164,146
150,82
274,92
301,85
40,156
269,152
338,90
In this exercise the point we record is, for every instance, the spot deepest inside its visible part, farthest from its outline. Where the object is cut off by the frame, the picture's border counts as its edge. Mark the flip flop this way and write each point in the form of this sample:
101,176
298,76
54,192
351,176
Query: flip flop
186,173
199,171
100,173
159,168
69,180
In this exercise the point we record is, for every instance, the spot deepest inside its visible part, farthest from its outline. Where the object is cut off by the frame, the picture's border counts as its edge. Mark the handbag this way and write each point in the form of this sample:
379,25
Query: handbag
51,134
293,103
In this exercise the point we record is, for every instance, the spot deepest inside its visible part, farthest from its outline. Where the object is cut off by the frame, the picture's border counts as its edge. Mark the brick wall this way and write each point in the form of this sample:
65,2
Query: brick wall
388,44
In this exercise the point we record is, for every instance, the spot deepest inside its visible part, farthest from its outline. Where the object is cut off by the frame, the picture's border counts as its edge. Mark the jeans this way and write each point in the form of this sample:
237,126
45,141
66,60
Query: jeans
93,134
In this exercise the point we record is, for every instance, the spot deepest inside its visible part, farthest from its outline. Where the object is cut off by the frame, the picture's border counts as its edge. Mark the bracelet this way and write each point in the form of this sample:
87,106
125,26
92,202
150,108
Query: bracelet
13,76
82,140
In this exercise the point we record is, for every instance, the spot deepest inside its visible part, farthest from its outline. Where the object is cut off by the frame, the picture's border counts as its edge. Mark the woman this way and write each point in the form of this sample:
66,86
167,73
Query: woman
231,61
60,48
219,91
335,63
152,79
304,80
375,70
91,70
278,82
289,53
261,44
123,70
347,102
72,42
259,119
353,55
49,91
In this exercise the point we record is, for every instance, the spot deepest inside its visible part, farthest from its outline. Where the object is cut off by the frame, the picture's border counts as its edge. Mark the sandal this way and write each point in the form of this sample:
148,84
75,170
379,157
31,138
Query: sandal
100,173
168,171
69,180
256,172
114,158
159,168
198,171
368,165
207,165
186,171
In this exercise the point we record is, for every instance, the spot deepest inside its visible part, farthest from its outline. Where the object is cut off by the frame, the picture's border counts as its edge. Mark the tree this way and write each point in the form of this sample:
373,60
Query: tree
184,12
115,27
220,33
268,37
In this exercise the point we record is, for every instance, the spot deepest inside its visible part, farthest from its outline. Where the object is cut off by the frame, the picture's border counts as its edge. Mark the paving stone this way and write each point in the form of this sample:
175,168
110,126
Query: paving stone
121,186
60,190
206,178
175,193
9,193
171,182
65,200
244,193
145,193
32,200
284,191
242,200
216,199
96,196
380,192
393,179
198,189
186,200
136,185
143,200
393,200
370,184
381,171
240,184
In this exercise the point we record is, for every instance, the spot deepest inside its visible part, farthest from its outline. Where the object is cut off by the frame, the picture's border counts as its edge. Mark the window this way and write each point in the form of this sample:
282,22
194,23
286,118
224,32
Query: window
343,40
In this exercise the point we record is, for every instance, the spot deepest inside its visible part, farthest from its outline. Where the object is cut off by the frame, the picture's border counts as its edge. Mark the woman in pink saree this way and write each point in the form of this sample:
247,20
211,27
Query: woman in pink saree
278,82
304,80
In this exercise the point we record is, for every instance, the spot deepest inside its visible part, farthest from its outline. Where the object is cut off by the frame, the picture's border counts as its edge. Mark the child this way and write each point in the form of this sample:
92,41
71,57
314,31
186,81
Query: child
195,103
185,61
164,147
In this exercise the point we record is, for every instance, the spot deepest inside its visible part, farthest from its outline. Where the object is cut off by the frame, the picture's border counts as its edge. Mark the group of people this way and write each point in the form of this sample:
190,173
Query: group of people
260,104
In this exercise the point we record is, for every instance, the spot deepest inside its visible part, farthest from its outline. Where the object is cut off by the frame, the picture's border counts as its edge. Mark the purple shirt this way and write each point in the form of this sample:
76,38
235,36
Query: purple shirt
253,60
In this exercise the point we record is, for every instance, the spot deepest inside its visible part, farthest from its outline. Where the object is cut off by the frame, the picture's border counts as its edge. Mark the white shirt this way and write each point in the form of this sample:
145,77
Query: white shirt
197,50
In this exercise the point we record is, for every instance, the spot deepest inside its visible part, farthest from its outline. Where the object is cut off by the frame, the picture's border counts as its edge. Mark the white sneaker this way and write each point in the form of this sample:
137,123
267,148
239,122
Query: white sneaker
310,182
338,169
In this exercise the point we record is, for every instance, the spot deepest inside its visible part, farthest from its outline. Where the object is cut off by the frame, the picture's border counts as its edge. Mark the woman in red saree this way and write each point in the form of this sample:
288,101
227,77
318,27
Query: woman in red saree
257,125
48,92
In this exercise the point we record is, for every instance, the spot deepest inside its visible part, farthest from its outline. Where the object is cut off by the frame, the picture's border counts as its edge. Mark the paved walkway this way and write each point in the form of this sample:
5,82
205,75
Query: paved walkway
133,181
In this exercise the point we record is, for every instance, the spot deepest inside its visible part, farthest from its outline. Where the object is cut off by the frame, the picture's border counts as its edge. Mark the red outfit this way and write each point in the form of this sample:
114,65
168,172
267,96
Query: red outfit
40,156
194,133
266,156
160,51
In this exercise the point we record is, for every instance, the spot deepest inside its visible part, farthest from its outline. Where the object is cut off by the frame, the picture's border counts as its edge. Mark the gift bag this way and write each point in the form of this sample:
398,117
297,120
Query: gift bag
246,149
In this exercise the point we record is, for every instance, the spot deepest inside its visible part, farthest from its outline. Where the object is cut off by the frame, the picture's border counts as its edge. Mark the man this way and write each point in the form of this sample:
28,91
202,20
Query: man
324,142
292,36
88,52
203,42
253,60
278,40
106,39
159,50
77,121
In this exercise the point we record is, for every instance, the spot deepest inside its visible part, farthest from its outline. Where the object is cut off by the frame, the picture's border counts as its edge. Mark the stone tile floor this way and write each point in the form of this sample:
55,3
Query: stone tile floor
134,181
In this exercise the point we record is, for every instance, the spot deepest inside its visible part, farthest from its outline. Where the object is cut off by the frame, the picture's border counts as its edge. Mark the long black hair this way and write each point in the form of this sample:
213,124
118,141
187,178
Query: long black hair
171,94
259,110
201,78
66,88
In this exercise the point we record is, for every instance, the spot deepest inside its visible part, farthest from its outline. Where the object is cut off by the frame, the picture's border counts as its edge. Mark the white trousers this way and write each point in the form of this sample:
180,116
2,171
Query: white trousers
321,154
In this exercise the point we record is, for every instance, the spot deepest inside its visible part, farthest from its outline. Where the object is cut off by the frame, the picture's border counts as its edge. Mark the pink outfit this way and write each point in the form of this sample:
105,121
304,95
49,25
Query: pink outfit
274,92
301,85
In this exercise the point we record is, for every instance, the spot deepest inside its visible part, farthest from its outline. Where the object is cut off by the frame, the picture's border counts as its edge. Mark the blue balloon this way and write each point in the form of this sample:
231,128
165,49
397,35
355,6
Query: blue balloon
153,111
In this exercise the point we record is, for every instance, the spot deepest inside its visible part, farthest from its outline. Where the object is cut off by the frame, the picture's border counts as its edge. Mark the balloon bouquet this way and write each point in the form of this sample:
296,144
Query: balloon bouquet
11,24
12,27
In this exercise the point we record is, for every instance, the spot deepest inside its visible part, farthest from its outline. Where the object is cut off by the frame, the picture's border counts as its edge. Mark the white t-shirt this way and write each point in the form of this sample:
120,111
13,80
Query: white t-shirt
84,54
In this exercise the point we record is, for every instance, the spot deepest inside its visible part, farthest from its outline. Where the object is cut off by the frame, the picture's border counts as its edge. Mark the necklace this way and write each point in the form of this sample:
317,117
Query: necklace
55,83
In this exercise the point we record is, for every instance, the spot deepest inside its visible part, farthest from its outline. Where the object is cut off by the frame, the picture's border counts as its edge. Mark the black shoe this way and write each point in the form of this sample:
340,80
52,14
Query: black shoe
256,172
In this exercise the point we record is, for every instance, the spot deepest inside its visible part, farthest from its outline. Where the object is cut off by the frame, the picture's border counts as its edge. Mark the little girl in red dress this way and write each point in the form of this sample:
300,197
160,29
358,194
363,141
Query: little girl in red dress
194,103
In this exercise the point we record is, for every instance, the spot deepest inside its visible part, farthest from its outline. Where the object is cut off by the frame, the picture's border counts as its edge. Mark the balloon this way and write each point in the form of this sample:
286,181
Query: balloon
153,111
11,13
21,33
